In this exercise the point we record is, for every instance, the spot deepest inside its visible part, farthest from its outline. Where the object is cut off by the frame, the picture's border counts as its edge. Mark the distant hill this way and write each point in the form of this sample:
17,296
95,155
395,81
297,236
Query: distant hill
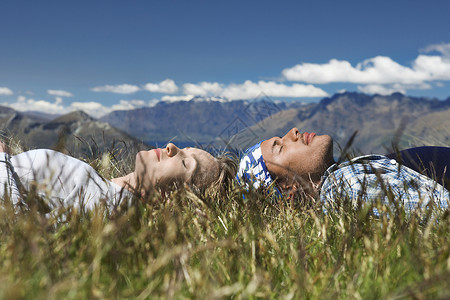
379,120
198,120
75,132
41,115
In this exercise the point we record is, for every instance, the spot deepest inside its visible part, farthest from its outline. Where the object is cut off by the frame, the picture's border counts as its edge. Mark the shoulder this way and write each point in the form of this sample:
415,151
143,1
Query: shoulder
360,164
45,158
358,174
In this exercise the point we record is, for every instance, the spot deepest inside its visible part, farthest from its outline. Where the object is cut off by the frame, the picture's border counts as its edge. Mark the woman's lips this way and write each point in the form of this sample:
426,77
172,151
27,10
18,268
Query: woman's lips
158,153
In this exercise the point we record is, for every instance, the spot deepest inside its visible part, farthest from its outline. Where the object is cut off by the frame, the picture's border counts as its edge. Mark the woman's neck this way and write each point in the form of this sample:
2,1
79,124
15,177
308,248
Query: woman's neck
128,181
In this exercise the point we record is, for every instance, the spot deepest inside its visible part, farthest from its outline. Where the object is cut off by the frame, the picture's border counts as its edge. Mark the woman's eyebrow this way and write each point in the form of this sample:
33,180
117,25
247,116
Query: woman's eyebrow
196,169
191,154
196,161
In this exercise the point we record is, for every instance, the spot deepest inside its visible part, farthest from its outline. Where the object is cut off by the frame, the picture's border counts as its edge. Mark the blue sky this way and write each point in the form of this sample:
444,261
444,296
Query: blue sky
57,56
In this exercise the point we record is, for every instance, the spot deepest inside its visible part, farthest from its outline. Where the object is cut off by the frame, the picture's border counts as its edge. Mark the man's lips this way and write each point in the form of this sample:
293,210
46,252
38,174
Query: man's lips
158,153
308,137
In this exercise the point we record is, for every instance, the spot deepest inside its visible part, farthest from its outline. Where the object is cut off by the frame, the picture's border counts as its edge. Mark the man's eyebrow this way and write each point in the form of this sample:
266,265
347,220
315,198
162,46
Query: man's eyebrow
274,143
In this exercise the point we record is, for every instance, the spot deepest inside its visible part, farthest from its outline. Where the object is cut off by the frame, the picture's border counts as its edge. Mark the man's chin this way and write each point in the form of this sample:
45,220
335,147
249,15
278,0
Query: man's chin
328,151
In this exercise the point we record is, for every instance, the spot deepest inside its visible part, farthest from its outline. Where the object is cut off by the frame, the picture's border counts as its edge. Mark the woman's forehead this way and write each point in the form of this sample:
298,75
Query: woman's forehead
196,151
205,163
201,156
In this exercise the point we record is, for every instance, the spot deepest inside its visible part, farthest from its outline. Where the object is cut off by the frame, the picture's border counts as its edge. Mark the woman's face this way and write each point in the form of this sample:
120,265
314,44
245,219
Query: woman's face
167,167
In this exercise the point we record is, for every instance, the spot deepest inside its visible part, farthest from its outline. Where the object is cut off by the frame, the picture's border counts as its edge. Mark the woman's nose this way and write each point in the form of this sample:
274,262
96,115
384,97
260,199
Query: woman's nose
292,134
172,150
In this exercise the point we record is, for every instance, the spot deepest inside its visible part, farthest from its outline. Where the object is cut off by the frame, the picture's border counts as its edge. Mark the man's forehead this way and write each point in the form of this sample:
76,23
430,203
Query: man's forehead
266,147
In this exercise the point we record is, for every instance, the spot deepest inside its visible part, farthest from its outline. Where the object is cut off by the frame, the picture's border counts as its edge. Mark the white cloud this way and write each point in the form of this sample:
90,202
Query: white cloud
98,110
421,86
59,93
118,89
167,86
24,104
128,104
436,67
442,48
250,89
388,89
153,102
6,91
379,70
177,98
92,108
203,88
380,89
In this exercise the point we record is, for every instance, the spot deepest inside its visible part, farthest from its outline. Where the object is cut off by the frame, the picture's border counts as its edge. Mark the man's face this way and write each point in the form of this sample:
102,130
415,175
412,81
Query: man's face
298,155
164,168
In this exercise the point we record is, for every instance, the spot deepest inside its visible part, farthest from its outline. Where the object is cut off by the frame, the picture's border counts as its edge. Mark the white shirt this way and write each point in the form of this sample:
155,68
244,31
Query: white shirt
58,178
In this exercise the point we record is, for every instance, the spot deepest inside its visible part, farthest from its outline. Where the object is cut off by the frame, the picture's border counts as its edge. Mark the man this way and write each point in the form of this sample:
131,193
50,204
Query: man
303,163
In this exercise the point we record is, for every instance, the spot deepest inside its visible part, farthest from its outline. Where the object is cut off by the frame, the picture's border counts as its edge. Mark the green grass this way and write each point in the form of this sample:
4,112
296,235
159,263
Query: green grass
189,248
223,247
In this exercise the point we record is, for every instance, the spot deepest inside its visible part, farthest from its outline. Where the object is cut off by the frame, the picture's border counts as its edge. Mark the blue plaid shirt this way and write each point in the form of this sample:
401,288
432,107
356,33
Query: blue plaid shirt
367,178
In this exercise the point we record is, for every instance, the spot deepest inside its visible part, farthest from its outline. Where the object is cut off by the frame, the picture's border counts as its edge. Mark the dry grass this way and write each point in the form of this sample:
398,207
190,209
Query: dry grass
228,247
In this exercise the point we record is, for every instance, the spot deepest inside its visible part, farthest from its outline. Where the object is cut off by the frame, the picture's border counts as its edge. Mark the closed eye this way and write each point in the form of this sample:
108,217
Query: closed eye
276,142
280,146
184,163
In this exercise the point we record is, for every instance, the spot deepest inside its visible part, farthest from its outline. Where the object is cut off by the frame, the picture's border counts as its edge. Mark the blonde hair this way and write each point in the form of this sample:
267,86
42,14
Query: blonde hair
218,181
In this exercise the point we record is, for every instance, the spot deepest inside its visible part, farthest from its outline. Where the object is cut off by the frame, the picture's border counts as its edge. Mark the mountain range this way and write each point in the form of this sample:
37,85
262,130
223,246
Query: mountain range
381,123
197,121
76,133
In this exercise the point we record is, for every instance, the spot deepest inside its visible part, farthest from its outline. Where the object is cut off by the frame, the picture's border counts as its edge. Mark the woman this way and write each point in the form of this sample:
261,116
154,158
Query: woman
62,180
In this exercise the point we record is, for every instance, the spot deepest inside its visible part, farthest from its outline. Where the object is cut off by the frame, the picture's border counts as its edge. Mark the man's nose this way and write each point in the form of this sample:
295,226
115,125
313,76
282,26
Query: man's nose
292,135
172,150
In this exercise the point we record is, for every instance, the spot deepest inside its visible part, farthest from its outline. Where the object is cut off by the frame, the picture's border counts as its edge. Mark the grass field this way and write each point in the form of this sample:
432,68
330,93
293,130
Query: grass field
223,247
